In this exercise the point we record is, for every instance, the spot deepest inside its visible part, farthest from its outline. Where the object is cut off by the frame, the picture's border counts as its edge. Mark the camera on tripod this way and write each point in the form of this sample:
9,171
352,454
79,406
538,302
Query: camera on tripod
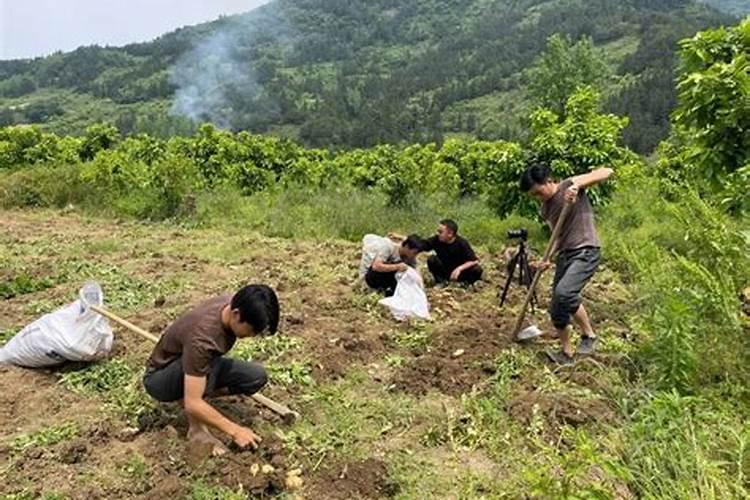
521,234
520,262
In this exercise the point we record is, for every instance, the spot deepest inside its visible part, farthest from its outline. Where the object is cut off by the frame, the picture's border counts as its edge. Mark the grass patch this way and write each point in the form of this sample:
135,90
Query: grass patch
276,353
116,382
686,447
344,422
46,437
349,213
22,284
135,468
415,337
29,495
6,335
123,291
200,490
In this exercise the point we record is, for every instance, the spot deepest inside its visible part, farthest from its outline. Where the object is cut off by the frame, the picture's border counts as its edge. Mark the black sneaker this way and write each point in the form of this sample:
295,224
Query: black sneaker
560,358
587,345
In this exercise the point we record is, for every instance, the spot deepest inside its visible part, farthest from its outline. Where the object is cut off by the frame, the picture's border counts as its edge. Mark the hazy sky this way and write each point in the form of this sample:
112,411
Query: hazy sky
31,28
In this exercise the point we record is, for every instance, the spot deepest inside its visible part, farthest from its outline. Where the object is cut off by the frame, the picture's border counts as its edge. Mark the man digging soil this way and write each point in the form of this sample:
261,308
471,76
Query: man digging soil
579,251
188,362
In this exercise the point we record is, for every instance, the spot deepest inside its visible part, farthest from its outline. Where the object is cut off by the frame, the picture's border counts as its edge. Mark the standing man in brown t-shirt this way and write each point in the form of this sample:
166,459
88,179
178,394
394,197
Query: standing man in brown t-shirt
188,362
578,249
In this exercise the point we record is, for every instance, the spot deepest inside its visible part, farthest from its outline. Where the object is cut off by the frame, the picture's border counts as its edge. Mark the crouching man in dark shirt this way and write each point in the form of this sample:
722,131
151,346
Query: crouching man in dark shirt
454,259
188,362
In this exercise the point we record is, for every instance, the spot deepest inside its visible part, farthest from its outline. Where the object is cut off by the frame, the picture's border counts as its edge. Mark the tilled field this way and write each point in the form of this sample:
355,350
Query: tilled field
388,409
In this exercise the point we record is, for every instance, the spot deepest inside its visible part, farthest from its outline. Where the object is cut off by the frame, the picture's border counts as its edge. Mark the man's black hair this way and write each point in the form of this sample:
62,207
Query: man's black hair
414,241
259,307
450,224
535,173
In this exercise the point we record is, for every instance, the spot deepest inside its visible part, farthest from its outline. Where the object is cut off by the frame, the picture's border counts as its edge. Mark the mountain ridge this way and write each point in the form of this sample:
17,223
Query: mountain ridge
338,73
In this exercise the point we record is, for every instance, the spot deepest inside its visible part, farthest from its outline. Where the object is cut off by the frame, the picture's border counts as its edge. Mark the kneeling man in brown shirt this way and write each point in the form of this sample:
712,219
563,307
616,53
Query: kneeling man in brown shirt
188,362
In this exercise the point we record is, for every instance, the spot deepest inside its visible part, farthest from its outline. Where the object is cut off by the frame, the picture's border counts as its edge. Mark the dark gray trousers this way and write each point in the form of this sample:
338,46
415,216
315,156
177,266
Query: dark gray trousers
237,376
573,269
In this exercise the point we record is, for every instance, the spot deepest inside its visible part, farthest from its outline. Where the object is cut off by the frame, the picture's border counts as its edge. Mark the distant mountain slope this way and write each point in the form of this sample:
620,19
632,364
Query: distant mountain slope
736,7
355,73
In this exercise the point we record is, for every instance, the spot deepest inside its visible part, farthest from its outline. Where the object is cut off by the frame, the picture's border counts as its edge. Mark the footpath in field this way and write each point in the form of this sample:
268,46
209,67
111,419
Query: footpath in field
383,404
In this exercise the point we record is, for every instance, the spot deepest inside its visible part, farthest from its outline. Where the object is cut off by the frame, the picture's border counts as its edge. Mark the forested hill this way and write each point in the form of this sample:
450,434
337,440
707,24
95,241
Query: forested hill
355,73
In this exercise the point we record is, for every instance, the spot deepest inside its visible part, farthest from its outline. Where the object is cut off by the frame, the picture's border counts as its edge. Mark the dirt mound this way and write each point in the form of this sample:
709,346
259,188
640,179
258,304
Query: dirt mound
434,372
558,409
459,358
74,452
336,355
363,479
261,473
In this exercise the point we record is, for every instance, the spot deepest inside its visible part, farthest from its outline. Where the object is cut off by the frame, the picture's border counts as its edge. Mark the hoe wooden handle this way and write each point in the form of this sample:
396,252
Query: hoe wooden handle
551,247
287,415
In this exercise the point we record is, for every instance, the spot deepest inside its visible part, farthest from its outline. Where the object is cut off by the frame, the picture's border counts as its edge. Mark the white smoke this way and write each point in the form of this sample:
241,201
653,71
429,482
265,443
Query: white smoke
218,67
200,77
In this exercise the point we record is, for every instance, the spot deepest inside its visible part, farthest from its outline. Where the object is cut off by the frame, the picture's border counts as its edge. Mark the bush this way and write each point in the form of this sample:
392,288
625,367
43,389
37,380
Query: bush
687,262
686,447
44,186
347,213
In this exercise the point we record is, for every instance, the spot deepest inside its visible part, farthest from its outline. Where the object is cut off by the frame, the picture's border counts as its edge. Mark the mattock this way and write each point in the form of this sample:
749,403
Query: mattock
533,330
287,415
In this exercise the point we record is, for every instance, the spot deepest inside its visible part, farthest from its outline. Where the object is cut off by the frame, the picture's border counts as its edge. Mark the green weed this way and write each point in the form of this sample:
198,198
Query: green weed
117,382
416,336
135,468
343,422
274,352
578,468
6,335
200,490
46,437
686,447
22,284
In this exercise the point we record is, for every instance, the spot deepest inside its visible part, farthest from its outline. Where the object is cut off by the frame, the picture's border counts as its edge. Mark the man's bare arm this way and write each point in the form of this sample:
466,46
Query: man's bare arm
381,267
592,178
198,408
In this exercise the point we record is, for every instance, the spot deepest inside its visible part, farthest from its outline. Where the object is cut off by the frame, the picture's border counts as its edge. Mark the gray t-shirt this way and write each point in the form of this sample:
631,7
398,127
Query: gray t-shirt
374,246
579,229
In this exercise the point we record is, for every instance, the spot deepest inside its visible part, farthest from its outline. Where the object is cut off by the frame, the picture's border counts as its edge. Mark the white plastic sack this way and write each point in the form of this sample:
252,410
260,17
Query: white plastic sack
409,299
71,333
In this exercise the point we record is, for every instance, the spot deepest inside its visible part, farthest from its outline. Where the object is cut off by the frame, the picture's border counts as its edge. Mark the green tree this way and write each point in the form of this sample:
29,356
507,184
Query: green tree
99,136
710,144
563,67
714,102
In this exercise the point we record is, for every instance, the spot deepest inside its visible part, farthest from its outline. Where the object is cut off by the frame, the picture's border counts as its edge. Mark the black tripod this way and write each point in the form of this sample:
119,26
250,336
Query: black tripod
525,274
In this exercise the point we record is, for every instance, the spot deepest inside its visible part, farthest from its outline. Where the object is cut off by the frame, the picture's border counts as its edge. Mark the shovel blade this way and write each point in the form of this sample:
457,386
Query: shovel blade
529,333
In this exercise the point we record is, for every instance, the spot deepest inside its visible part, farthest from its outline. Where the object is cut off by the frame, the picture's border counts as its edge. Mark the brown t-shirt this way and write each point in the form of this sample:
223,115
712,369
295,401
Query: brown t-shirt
197,336
578,230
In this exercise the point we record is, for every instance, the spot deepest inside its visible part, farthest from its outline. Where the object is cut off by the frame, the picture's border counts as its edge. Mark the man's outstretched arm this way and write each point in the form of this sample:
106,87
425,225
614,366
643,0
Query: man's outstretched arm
585,180
592,178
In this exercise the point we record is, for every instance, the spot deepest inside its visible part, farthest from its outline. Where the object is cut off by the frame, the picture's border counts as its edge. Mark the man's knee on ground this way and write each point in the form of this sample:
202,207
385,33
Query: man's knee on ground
471,275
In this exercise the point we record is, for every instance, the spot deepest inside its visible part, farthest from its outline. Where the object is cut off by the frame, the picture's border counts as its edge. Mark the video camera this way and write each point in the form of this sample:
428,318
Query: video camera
521,233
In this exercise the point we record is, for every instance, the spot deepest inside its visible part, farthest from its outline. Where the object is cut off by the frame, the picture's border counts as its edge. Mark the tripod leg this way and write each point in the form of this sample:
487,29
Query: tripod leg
513,263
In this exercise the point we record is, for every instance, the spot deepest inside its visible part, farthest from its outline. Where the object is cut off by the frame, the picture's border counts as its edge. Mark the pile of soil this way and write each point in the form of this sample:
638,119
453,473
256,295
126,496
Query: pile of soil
362,479
558,409
459,358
